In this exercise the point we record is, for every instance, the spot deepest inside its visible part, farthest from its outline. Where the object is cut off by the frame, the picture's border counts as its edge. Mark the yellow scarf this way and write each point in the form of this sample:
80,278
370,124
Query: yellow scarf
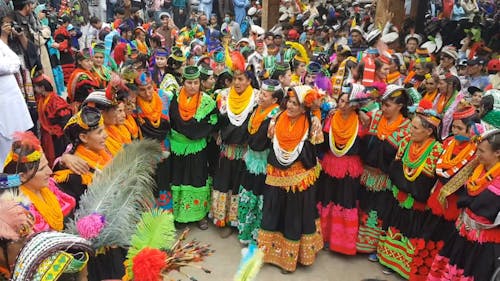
48,206
237,103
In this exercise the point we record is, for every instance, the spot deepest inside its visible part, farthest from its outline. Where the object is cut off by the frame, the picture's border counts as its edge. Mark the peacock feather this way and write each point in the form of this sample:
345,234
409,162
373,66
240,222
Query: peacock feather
118,196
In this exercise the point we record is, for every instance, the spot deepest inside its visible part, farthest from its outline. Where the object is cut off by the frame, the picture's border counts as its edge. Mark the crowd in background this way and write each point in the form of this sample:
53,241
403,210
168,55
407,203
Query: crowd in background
335,129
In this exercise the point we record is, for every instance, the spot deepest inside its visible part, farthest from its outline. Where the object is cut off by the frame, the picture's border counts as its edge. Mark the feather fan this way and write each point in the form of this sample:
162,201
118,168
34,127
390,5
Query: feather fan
302,51
156,230
12,218
112,205
250,264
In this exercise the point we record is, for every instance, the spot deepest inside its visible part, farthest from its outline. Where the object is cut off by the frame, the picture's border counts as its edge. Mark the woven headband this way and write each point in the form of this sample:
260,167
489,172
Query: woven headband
77,119
270,88
466,112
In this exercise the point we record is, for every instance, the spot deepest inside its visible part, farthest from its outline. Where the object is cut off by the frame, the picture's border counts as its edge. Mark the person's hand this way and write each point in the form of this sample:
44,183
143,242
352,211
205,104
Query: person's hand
55,45
7,28
364,118
75,164
17,34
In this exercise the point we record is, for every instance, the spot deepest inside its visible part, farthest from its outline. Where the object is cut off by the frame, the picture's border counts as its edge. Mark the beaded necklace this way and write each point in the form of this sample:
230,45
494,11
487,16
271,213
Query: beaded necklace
447,165
480,178
414,158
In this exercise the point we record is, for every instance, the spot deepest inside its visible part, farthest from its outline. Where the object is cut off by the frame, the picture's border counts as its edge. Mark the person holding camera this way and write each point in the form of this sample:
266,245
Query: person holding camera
14,114
21,40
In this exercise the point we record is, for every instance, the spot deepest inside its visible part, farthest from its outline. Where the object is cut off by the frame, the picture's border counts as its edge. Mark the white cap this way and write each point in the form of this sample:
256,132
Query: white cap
252,11
390,37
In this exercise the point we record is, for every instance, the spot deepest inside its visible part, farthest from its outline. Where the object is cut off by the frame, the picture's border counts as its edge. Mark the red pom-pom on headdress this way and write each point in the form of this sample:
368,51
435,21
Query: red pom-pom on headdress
148,265
425,104
238,61
311,96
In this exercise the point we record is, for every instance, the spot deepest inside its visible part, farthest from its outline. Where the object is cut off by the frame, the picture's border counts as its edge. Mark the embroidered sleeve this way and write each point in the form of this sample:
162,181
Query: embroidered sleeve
430,162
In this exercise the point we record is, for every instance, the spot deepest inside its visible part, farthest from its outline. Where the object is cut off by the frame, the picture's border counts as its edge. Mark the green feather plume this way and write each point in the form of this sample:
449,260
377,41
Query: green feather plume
156,230
250,264
121,193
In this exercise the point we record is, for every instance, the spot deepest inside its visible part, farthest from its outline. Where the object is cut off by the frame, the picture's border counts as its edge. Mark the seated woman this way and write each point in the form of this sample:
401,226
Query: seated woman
112,109
85,131
24,258
43,204
39,193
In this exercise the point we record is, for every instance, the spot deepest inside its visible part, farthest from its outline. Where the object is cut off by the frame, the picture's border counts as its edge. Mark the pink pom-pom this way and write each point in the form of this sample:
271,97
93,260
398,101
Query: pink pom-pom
90,226
380,86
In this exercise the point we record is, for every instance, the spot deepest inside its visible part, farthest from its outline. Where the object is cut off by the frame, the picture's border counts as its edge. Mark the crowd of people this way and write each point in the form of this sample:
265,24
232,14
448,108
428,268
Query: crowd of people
328,131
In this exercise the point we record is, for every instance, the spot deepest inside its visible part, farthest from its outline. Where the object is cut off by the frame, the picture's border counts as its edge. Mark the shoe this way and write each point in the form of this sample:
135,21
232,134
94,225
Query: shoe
225,232
203,224
326,247
373,257
387,271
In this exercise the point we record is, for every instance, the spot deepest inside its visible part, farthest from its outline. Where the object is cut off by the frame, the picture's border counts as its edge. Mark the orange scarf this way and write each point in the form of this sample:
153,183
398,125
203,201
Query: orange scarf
258,116
344,129
188,105
441,103
393,77
117,137
385,129
151,109
317,113
47,205
431,96
237,103
96,160
290,132
132,127
481,178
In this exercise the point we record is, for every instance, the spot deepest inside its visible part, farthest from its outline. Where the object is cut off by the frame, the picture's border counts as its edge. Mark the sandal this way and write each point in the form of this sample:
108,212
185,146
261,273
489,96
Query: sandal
203,224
